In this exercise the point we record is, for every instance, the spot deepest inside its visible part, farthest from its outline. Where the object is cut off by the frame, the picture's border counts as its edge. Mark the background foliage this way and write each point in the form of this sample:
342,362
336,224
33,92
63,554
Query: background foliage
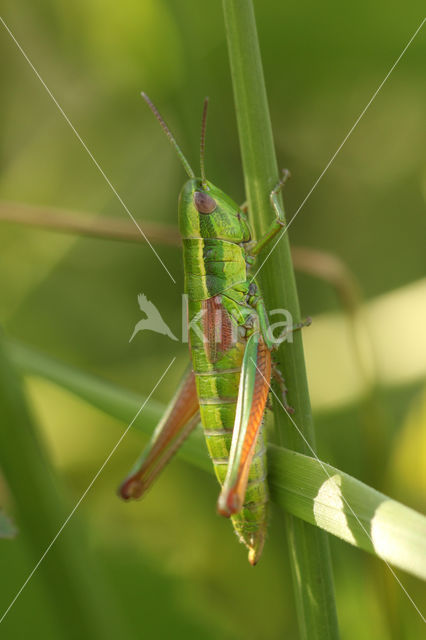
169,563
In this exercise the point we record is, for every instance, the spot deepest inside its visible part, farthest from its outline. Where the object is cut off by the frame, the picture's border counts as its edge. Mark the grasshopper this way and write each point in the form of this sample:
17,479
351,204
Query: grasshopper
230,343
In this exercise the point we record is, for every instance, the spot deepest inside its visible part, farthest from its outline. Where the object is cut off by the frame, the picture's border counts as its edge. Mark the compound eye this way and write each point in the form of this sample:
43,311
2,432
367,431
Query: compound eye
204,203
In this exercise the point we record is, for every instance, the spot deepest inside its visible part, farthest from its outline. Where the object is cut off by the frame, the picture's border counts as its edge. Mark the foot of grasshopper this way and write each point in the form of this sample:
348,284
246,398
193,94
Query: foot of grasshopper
275,369
281,382
289,330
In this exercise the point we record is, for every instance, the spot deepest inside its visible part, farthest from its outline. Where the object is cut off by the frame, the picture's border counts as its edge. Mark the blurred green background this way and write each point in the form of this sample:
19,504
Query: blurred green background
169,566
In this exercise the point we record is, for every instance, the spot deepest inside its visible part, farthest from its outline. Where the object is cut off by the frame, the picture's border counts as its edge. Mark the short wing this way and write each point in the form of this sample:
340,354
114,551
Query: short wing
217,328
181,417
252,396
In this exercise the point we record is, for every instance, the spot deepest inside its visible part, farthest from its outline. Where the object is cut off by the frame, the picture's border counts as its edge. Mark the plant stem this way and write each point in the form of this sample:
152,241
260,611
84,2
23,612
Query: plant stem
87,224
310,560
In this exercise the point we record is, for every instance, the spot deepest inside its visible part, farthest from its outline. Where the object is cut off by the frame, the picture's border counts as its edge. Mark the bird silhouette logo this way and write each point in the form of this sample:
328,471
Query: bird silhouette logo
153,321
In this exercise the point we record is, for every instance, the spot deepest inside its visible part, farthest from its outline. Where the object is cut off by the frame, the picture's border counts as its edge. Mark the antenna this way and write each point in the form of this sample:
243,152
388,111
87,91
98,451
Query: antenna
203,142
170,136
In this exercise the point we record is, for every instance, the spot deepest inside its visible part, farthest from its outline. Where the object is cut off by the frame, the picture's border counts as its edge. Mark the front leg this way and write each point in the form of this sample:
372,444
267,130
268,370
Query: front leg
279,221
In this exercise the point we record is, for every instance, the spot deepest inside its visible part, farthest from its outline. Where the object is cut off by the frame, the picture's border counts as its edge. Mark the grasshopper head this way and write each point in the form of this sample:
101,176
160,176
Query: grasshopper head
207,212
204,210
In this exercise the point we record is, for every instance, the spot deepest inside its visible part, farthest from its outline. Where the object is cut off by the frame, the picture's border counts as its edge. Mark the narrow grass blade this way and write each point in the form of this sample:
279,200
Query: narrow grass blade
348,509
78,596
315,492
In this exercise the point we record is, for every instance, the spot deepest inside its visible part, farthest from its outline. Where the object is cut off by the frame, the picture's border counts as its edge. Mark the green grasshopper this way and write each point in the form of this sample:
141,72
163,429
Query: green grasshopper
230,344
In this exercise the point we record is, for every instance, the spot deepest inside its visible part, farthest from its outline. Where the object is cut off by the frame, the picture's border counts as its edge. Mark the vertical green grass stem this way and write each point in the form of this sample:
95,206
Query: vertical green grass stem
309,553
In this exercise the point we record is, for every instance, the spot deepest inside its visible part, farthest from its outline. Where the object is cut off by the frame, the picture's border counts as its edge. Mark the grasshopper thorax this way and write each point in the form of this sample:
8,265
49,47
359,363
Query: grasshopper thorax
207,212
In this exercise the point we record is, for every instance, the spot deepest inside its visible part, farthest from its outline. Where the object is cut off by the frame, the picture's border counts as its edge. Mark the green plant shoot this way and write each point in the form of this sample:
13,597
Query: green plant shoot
231,347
